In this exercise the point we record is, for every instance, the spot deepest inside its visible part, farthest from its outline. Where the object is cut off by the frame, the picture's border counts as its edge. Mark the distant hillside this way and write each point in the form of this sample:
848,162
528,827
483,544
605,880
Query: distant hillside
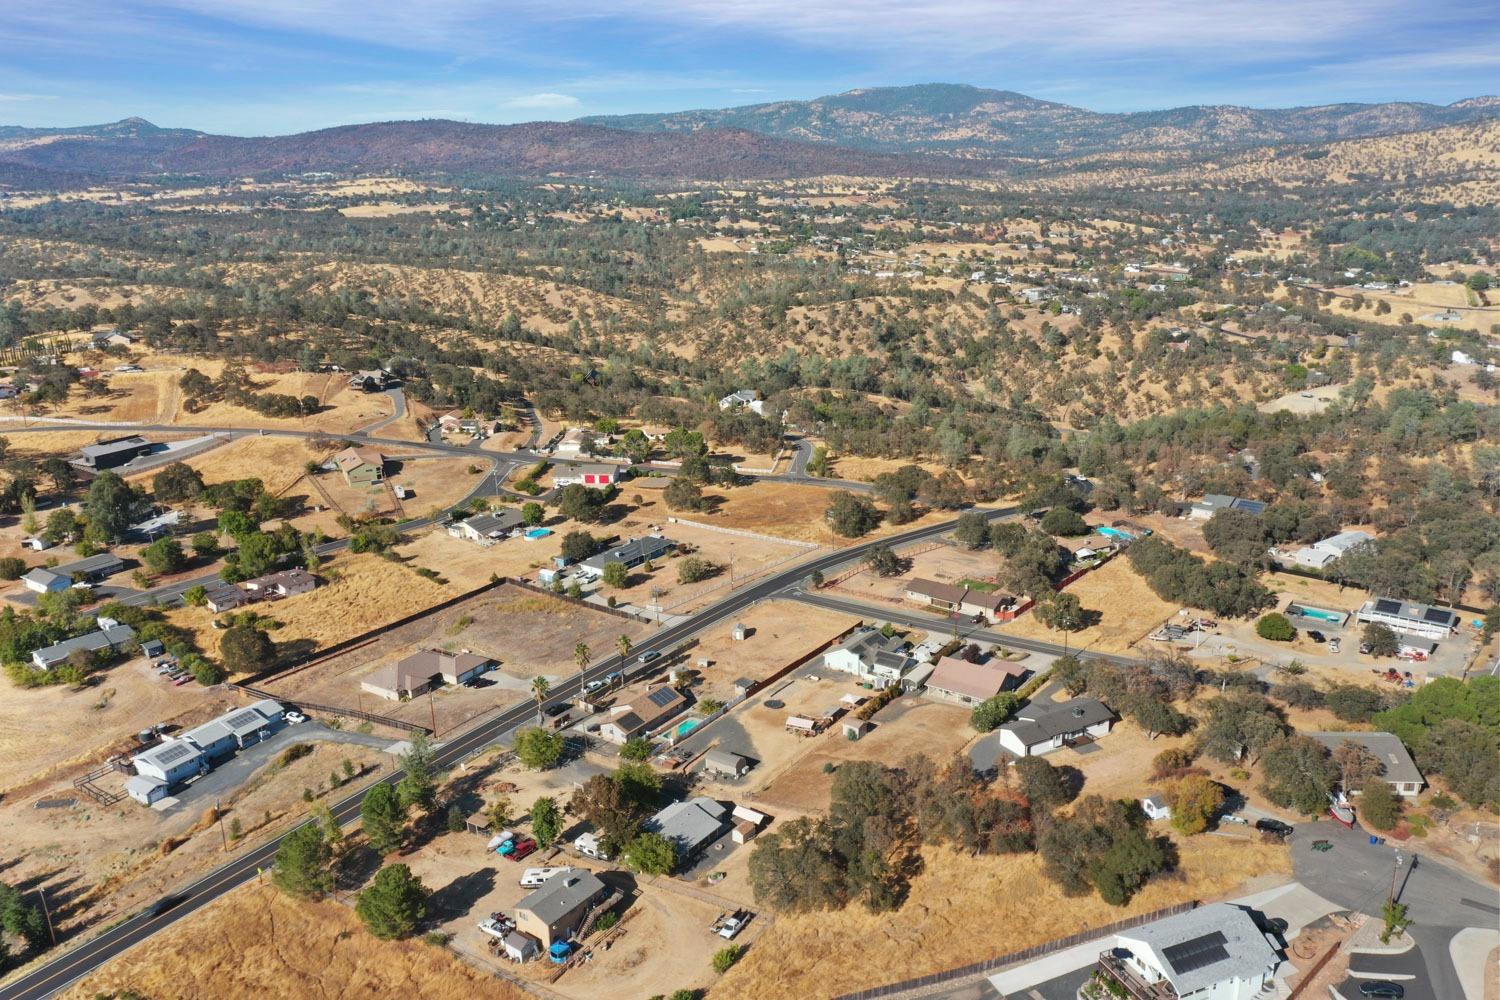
961,120
447,146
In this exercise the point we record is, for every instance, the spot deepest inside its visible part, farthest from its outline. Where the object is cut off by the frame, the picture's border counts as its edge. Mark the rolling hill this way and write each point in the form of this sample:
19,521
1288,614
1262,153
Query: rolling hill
960,120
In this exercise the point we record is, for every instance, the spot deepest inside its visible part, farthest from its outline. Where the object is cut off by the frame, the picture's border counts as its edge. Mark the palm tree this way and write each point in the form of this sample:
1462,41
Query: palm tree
623,645
581,654
539,688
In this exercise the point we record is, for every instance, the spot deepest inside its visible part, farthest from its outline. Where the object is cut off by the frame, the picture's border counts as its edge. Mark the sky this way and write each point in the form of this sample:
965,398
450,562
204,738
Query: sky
265,67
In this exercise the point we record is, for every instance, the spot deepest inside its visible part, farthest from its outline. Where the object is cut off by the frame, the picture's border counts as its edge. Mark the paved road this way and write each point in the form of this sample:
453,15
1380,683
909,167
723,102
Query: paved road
1357,874
398,410
90,955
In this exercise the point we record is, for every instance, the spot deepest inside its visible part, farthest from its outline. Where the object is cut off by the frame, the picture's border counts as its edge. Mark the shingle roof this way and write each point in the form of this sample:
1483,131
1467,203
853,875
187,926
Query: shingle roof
1205,946
977,680
561,894
691,824
1387,747
1039,722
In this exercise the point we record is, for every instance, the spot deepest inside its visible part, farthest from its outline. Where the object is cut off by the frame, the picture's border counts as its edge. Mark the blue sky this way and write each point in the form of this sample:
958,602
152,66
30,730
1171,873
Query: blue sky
253,67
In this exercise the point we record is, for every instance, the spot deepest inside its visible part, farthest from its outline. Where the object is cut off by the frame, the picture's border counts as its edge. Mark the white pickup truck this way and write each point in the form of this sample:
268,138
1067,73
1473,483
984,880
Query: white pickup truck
730,924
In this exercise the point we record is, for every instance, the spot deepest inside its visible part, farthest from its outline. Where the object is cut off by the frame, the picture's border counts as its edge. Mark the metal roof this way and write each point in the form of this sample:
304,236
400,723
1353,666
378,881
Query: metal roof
1202,947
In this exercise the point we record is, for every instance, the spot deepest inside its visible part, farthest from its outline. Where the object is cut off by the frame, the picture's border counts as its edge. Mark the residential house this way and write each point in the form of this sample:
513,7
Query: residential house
743,399
1041,727
870,656
360,466
90,570
421,672
643,714
1213,952
690,825
110,636
558,908
197,750
1319,554
952,599
592,474
282,583
632,553
114,452
456,423
1211,504
44,581
577,441
1409,617
487,528
113,337
1400,771
371,381
225,598
968,683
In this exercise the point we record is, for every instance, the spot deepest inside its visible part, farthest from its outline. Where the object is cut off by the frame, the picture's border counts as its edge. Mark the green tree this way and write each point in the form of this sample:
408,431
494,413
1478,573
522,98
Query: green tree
725,958
195,596
164,555
1195,800
1044,786
540,688
383,818
1064,521
1380,639
989,714
538,749
637,748
176,483
245,649
972,530
683,494
851,515
394,905
546,820
533,513
1298,775
418,787
651,854
1379,808
111,506
1275,627
578,546
693,569
615,574
303,860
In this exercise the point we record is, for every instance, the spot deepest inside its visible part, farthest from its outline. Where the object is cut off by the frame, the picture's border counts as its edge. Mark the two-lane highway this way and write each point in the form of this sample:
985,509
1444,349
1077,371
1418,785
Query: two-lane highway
79,961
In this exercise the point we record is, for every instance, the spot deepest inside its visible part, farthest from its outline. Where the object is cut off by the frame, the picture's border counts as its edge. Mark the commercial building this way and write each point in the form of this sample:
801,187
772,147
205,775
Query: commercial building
1214,952
1409,617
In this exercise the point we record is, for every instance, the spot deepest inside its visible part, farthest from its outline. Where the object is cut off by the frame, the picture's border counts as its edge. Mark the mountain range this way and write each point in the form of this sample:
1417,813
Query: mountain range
960,120
931,130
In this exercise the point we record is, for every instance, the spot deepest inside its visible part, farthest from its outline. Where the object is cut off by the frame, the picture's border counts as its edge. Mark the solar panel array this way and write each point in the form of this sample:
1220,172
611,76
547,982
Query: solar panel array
1386,606
1438,616
172,753
1197,953
662,697
239,720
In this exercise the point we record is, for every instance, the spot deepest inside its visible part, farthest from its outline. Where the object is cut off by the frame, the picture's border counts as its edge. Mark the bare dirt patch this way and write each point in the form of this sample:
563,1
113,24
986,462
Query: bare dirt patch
1127,608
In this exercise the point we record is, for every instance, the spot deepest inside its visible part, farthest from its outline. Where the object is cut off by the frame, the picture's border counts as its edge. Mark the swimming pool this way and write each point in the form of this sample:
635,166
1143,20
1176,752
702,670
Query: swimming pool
536,533
687,727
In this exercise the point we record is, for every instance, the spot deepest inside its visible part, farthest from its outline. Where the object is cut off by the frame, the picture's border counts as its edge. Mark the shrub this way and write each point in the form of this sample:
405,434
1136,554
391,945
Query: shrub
725,958
1275,627
993,712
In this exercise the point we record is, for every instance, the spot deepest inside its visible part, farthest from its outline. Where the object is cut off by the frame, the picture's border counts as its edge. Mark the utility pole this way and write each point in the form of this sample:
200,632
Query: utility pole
51,931
219,813
432,712
1395,868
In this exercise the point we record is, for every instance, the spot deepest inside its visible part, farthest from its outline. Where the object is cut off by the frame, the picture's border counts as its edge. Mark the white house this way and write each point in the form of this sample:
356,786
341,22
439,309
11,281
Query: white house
1214,952
1156,807
746,398
1406,616
487,528
592,474
1041,727
871,657
1320,554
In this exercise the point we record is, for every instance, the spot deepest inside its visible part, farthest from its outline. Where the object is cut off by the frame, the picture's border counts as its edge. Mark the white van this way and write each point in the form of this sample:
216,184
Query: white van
536,876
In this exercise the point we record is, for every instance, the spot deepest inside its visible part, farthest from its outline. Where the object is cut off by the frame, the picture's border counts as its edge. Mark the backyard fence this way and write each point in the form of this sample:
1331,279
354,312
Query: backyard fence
351,713
1015,957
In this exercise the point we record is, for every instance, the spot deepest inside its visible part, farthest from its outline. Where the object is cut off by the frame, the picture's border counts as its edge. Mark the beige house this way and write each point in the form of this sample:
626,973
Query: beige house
556,910
969,683
421,672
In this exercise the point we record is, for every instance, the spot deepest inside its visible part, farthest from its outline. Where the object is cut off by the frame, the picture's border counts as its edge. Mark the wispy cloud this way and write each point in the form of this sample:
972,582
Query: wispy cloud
16,98
545,101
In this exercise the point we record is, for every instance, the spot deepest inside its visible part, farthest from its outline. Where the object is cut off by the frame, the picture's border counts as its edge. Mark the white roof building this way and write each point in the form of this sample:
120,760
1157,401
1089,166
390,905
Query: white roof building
1320,554
1214,952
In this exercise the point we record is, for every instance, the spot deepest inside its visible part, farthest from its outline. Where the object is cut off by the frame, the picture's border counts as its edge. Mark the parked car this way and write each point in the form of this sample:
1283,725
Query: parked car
1275,826
536,876
614,678
592,686
1382,988
521,848
1333,645
1316,636
497,926
180,681
293,718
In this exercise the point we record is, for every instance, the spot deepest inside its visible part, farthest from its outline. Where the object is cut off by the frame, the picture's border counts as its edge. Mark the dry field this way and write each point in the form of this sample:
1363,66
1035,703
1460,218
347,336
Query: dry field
810,955
781,509
304,949
360,592
1127,607
780,631
467,564
945,564
277,462
910,725
82,725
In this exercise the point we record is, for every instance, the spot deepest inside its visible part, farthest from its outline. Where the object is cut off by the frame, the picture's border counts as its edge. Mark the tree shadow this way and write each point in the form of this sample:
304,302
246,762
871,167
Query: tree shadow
460,896
1072,780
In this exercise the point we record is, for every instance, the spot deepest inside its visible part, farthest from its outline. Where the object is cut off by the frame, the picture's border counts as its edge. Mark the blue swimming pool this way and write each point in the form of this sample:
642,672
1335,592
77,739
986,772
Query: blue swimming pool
535,533
687,727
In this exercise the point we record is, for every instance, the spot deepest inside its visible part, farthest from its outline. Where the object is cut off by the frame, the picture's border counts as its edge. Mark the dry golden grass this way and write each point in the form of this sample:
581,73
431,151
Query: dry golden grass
276,462
364,592
1127,608
282,947
963,909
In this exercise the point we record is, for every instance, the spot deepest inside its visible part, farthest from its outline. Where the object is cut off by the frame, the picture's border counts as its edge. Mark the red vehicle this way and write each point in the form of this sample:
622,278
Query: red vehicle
524,847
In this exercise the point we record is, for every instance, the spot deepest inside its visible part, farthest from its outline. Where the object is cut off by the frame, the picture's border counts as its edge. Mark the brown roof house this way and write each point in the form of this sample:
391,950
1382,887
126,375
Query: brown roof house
643,714
421,672
360,466
969,683
958,600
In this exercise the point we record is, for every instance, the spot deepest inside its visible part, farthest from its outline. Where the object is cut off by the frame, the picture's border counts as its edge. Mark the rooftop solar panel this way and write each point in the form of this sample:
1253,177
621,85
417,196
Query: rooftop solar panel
1197,953
172,754
1386,606
1438,616
662,697
239,719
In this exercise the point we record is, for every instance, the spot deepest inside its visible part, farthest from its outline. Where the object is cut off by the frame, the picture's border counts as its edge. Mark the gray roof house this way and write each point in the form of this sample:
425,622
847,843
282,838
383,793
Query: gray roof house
43,581
113,637
871,657
631,553
1400,770
1215,951
1040,727
690,825
487,528
558,907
